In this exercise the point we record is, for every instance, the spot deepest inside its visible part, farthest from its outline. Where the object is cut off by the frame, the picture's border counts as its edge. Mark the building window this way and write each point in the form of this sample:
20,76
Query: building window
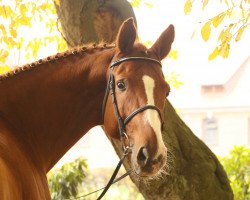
210,131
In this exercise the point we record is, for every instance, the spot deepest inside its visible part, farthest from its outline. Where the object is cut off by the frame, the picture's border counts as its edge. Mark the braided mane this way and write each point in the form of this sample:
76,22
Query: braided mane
59,56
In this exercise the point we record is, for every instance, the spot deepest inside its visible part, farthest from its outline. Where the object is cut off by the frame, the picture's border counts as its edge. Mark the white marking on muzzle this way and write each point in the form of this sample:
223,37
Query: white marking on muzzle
152,116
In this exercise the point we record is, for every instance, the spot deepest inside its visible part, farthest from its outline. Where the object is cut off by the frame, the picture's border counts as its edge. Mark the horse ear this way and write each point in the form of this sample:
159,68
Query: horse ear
163,44
126,36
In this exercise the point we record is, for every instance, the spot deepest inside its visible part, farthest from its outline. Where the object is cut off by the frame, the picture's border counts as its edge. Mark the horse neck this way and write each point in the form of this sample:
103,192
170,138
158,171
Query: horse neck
55,103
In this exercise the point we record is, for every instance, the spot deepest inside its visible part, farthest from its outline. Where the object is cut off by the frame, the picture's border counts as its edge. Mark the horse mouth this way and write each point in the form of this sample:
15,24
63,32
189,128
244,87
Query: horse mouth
152,169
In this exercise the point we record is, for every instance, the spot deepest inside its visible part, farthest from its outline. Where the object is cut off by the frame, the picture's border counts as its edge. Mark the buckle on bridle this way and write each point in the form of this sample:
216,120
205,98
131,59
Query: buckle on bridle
126,148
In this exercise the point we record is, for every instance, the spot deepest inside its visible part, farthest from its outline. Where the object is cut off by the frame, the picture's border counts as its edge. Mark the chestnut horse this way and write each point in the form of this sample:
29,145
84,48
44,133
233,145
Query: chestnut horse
47,106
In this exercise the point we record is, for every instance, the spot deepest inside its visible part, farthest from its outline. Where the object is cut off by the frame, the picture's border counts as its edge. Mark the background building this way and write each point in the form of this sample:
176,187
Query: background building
215,103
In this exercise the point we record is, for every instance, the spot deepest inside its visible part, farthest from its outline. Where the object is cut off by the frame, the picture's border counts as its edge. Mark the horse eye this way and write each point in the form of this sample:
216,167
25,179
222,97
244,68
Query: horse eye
121,85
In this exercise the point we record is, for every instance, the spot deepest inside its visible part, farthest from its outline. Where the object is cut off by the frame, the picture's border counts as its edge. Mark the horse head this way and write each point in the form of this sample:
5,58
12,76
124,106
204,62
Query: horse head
139,92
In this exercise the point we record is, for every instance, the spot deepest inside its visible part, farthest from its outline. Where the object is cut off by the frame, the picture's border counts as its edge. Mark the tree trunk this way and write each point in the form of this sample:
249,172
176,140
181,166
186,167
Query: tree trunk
92,21
194,171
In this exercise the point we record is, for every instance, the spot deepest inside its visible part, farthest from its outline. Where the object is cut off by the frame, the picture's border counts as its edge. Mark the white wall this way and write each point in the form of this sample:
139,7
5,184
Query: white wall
232,127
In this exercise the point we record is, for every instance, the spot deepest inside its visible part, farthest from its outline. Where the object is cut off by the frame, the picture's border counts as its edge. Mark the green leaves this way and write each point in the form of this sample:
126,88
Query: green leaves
64,182
237,166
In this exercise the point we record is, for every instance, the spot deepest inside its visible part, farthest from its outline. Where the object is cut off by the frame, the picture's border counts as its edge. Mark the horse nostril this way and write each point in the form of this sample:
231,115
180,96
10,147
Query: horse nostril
142,156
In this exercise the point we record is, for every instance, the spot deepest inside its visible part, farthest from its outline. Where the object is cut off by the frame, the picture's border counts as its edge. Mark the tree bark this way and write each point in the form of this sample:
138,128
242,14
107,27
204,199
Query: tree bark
194,172
92,21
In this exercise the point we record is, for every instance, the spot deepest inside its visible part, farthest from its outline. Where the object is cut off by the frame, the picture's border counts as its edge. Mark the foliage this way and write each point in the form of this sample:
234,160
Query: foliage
22,22
4,69
232,23
172,79
97,178
138,3
73,180
25,16
64,182
237,166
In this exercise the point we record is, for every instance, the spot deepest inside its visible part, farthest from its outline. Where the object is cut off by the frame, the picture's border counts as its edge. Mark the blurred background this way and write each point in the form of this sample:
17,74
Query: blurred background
208,70
211,96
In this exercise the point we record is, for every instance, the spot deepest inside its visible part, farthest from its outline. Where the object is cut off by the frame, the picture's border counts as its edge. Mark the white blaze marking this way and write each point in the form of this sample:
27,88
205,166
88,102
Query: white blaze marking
152,116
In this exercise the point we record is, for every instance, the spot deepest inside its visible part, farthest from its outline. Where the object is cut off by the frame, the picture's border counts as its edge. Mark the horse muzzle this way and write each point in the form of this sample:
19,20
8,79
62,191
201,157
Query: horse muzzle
145,165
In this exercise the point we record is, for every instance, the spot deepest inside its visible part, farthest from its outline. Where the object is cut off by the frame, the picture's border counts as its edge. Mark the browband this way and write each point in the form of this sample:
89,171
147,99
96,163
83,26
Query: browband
117,62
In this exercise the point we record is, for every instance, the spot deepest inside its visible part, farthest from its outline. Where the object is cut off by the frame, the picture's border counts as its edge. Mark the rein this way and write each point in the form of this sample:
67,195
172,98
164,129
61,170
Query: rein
121,122
111,181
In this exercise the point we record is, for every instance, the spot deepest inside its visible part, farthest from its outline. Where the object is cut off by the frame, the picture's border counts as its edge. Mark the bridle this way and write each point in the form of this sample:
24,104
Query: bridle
123,122
110,88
